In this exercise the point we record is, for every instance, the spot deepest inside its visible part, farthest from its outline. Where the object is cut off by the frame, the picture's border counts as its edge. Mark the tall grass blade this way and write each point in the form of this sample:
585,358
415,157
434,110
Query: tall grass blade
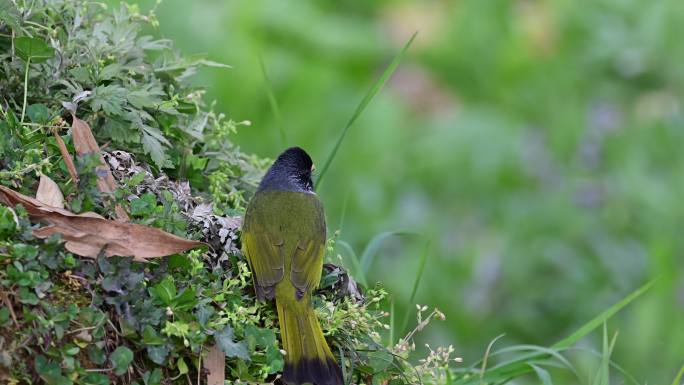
598,320
372,91
542,374
520,365
355,269
273,102
678,378
392,326
486,357
416,283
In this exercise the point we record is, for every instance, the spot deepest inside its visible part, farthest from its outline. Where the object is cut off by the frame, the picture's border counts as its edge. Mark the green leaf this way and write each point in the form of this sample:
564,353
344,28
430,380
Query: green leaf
27,297
110,71
81,74
152,140
379,360
4,316
176,329
151,337
120,359
109,99
164,291
33,48
50,372
38,113
96,355
10,14
182,366
363,104
225,339
158,354
94,379
153,377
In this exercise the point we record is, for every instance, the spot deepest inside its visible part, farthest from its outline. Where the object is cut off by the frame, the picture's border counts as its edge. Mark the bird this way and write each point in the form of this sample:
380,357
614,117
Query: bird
283,238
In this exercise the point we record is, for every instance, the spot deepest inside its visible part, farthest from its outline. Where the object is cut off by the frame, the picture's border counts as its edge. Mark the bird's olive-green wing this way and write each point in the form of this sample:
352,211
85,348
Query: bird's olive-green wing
307,259
263,244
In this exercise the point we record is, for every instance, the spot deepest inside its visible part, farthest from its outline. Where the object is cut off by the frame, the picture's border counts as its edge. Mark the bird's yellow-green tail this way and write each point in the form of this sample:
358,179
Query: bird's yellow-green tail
308,358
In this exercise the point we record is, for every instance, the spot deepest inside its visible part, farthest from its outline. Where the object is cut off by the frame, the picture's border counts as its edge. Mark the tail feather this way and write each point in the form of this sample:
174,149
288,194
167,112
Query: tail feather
308,358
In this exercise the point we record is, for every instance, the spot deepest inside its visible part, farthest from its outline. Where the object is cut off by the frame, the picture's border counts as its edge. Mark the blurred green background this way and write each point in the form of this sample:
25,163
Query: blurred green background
537,143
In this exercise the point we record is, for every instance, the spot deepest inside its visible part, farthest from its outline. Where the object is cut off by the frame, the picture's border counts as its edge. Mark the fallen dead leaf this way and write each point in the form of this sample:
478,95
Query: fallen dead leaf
215,364
66,156
88,234
84,144
49,193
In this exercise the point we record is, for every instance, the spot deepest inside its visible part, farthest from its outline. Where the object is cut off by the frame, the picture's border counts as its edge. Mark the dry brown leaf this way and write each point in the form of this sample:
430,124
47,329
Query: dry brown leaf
49,193
215,364
84,144
88,234
66,156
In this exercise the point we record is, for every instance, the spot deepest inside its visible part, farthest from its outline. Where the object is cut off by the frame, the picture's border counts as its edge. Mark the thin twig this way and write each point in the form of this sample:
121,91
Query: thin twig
23,107
9,305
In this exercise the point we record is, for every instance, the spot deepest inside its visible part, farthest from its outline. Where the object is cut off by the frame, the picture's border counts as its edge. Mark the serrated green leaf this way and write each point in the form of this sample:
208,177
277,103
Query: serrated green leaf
120,359
145,98
34,48
109,71
81,74
152,140
108,98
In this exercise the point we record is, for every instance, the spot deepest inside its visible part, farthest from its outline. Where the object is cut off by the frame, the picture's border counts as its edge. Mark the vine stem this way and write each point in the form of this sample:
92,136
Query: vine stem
23,107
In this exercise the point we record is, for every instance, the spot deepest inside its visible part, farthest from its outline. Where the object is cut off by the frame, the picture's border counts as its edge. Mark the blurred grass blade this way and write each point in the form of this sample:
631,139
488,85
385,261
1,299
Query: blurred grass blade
598,320
486,357
344,211
371,250
363,104
678,378
520,365
416,283
542,374
603,374
392,326
355,270
419,273
273,102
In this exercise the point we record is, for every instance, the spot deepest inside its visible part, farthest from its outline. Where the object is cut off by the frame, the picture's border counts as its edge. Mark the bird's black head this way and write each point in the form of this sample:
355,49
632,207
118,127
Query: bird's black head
290,172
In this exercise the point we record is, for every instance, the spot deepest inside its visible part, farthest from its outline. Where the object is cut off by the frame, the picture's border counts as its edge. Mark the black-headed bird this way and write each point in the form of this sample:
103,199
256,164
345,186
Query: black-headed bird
283,236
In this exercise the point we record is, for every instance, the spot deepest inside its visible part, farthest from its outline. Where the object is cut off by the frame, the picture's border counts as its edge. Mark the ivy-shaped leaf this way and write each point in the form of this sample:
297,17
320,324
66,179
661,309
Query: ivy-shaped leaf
225,339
